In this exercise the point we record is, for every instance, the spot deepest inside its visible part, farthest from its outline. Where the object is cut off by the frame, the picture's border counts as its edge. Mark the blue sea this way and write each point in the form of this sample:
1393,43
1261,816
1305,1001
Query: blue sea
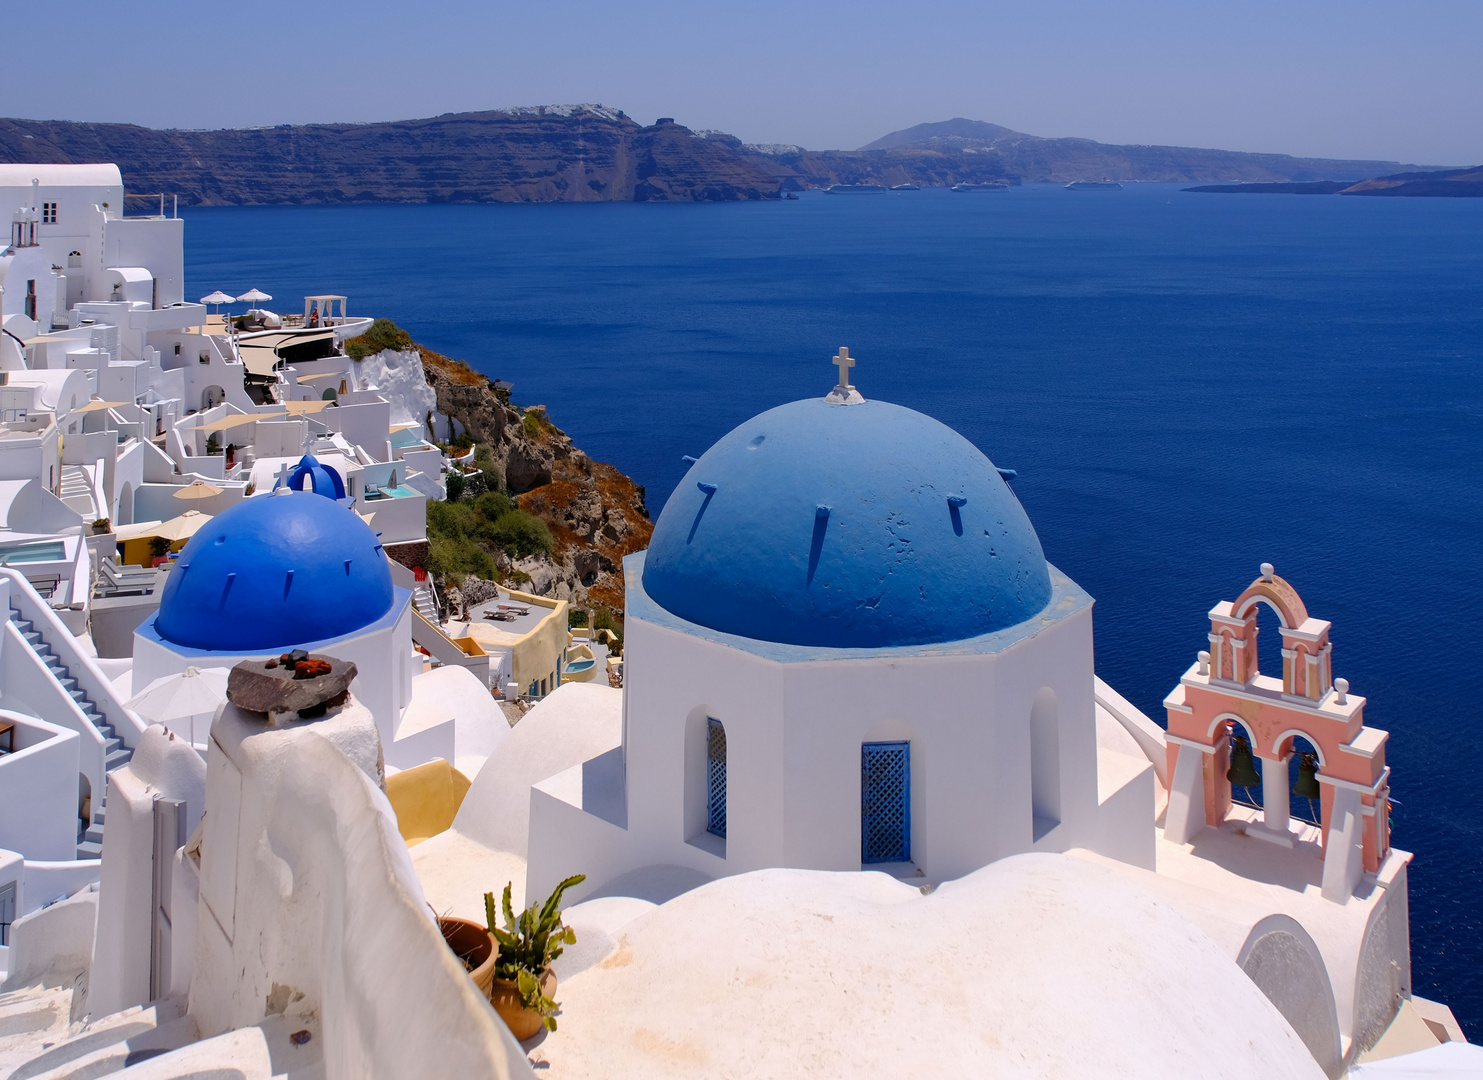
1188,385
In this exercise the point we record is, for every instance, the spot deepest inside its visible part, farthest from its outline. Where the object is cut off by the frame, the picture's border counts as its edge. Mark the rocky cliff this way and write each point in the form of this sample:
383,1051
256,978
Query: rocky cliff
582,153
595,513
590,153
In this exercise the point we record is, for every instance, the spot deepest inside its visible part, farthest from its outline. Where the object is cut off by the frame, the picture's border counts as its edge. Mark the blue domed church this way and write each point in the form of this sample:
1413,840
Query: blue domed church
845,650
290,570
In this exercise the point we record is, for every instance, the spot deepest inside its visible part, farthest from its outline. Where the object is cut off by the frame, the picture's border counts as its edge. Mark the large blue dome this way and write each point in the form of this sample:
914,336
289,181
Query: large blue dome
275,572
864,525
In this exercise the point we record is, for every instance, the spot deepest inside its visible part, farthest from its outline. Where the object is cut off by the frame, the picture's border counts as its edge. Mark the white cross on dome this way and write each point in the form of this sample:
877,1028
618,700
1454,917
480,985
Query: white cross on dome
844,392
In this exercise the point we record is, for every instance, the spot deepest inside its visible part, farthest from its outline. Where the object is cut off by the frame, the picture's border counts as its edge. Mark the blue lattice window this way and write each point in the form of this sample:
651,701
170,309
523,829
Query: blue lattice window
885,802
715,778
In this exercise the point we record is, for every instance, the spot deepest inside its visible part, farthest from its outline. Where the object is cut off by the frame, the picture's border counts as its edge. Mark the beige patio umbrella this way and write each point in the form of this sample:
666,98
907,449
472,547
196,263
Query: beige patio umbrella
254,296
197,489
182,527
95,406
238,419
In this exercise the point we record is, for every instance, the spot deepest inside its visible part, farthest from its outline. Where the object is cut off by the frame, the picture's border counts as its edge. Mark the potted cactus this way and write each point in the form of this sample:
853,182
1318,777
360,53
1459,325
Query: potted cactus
524,984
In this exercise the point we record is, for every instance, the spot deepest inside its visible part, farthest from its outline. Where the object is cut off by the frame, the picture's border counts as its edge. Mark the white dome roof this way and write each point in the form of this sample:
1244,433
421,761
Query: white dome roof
1035,966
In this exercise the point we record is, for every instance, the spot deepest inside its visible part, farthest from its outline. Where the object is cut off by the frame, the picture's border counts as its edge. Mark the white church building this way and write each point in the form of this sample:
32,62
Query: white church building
846,650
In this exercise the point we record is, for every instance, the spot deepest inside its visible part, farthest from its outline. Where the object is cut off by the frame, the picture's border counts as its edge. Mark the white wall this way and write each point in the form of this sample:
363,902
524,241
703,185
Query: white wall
794,732
306,885
156,245
163,767
38,790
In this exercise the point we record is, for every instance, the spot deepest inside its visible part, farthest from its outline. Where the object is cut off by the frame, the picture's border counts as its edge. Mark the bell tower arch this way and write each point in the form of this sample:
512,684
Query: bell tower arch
1228,719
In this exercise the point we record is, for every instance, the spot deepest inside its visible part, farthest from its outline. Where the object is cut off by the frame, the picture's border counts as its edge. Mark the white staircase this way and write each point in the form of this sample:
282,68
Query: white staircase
78,493
90,843
426,601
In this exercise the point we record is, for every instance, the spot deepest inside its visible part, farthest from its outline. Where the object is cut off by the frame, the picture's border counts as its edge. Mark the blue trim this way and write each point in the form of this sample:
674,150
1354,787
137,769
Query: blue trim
885,802
715,778
1067,598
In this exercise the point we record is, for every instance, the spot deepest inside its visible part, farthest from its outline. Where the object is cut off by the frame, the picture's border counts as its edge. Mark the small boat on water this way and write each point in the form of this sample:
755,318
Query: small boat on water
980,187
853,189
905,187
1094,185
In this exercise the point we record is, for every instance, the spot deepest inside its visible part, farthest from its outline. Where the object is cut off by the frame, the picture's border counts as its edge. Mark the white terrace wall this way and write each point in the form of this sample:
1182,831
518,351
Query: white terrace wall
308,897
38,791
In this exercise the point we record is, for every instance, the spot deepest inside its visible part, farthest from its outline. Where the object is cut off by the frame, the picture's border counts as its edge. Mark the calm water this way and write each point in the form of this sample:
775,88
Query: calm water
1187,384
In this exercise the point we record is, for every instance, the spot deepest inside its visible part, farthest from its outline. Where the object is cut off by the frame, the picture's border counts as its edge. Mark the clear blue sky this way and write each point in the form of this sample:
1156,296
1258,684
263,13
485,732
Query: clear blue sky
1392,80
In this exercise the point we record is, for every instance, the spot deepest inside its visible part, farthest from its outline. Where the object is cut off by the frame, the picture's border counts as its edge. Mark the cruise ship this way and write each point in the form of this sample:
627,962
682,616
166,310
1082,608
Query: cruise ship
980,187
1094,185
853,189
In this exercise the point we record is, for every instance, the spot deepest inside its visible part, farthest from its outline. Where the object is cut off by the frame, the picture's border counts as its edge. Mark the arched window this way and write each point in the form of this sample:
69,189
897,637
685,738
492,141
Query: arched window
885,802
74,260
715,778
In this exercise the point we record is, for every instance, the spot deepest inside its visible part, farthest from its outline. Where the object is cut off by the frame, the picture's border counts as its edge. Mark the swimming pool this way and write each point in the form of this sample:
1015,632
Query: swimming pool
46,551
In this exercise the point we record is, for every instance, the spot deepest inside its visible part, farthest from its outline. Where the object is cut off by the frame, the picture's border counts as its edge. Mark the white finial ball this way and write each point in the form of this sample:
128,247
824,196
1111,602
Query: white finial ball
1267,571
1204,658
1341,691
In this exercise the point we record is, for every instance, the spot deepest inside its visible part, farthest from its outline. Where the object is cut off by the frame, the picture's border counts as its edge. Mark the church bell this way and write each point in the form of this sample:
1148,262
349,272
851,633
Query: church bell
1306,785
1243,769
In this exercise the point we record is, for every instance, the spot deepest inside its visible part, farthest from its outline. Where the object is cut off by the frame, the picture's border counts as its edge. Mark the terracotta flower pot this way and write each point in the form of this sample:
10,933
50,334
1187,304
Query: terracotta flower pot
472,943
505,997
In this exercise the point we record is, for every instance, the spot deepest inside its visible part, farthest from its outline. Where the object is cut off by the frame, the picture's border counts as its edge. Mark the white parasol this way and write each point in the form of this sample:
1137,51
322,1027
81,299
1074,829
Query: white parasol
177,701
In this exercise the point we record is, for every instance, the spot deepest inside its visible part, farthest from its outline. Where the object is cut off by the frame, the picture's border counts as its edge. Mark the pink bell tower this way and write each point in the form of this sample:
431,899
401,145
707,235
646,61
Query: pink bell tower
1225,690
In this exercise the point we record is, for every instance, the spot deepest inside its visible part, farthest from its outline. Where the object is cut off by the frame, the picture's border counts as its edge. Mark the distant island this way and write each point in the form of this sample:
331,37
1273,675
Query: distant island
592,153
1437,183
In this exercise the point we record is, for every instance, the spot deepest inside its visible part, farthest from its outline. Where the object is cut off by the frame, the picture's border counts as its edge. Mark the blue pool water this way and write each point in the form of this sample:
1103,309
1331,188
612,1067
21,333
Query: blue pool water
1187,384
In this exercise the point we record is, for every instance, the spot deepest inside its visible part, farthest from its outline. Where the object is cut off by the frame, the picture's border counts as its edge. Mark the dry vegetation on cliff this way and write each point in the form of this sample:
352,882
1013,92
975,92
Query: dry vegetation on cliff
591,514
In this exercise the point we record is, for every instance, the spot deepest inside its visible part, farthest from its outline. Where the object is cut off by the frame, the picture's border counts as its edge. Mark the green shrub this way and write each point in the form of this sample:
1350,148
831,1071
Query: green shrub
388,335
466,534
455,483
518,533
455,557
531,424
462,441
494,505
383,334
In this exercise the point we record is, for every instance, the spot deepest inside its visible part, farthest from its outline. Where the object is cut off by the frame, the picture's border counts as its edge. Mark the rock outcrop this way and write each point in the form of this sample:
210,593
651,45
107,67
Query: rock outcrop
595,513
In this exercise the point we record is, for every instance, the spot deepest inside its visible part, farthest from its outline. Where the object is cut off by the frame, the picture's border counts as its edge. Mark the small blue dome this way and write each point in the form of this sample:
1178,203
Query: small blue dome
848,526
275,572
310,475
